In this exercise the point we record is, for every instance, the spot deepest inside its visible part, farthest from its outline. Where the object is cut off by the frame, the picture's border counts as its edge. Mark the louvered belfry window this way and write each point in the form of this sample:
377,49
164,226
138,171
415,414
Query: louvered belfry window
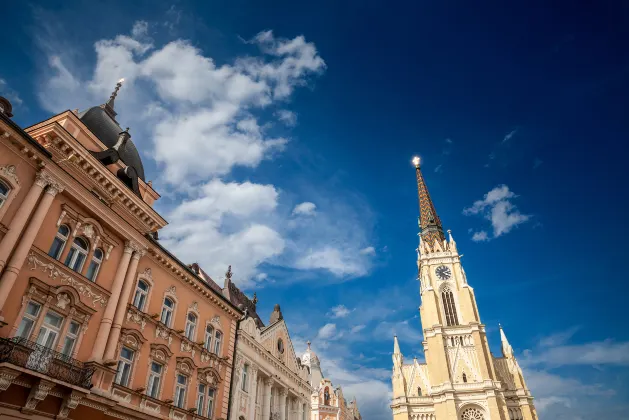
448,305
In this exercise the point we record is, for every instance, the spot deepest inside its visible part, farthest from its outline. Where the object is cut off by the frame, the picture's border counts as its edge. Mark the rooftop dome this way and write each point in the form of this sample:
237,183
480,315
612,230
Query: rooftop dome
107,130
309,357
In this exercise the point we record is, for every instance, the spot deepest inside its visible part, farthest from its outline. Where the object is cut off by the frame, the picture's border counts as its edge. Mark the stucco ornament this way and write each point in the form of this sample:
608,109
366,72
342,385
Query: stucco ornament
9,172
88,231
63,300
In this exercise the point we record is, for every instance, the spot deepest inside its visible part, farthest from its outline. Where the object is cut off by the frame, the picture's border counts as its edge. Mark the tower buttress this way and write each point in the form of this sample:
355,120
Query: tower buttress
399,382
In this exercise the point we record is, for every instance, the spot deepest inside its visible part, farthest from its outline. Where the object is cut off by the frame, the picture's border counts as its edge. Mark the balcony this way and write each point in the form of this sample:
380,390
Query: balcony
29,355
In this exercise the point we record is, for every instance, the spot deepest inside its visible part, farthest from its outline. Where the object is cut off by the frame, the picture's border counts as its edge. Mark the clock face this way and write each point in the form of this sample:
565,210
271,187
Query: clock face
443,272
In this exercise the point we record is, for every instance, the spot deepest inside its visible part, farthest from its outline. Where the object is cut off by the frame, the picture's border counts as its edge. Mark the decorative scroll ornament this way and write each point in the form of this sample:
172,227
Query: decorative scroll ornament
62,300
56,274
164,334
9,172
137,318
216,320
88,231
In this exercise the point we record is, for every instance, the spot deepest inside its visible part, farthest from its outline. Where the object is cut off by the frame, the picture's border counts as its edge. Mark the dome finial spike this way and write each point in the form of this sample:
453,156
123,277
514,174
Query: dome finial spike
109,106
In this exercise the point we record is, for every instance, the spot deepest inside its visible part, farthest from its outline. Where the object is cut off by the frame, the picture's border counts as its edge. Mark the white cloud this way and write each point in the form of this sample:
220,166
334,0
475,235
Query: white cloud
357,328
339,311
305,209
9,93
327,332
509,135
333,260
287,117
497,208
368,251
480,236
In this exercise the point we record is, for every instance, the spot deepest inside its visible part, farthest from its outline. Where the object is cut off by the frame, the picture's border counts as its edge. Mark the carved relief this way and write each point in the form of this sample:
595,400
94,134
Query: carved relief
137,318
55,274
88,231
164,334
186,347
216,320
8,172
38,393
70,402
63,300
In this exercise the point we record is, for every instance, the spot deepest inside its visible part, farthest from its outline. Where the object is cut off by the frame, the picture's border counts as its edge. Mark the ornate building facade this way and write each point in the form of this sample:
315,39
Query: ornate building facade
461,379
328,403
99,321
269,381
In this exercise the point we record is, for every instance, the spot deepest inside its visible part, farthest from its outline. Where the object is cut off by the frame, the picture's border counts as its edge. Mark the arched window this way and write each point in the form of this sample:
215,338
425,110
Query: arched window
141,294
472,414
448,305
326,396
218,337
94,268
167,312
245,377
464,377
191,326
59,242
209,333
77,255
419,391
4,193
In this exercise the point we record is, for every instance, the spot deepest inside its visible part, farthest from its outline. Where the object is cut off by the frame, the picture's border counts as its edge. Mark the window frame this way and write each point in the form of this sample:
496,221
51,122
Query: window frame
63,239
74,336
201,397
181,390
211,395
143,294
449,305
218,341
151,376
170,312
209,337
125,362
190,330
4,197
33,318
75,251
47,329
244,378
98,262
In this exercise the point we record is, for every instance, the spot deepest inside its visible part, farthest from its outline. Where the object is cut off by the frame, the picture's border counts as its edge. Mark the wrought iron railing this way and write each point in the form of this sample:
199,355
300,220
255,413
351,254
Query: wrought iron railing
27,354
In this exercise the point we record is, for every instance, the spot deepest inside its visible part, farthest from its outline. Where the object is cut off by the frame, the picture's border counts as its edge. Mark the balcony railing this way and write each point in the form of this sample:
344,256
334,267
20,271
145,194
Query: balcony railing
27,354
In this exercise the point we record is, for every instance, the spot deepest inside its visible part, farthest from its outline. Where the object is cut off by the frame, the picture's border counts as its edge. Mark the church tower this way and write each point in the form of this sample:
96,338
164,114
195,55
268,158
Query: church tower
461,379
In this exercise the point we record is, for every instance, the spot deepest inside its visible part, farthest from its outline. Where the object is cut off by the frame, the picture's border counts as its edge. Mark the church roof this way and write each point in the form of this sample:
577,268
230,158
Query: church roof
429,222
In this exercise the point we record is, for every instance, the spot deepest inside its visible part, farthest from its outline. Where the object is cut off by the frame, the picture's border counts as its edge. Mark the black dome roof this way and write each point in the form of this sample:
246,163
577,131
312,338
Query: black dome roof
107,131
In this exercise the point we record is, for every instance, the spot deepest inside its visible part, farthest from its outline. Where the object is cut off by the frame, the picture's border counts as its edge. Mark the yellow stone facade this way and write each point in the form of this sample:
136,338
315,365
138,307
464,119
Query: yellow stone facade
461,379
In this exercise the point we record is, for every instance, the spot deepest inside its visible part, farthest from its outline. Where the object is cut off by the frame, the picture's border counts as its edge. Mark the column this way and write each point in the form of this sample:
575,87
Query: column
121,308
105,324
282,394
19,220
300,410
266,402
235,385
253,393
21,251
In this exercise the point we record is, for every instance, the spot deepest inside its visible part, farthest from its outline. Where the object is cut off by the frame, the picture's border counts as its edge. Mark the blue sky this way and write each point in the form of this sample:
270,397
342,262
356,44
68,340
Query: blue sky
280,136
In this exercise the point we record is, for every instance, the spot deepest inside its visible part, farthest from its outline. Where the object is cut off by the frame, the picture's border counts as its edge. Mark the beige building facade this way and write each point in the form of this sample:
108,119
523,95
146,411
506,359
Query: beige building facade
327,402
461,379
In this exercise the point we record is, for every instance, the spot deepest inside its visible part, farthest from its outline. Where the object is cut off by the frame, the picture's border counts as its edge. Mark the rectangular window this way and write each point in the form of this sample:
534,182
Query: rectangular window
155,376
124,366
71,337
210,403
180,391
49,331
200,399
245,374
217,342
28,321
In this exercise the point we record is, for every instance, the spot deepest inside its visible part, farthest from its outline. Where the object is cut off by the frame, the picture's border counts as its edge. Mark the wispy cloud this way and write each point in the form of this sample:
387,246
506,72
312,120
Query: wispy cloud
509,135
305,209
496,206
287,117
10,94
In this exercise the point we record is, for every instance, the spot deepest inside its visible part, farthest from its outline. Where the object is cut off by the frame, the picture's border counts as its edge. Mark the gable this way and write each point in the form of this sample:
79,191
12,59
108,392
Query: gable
270,338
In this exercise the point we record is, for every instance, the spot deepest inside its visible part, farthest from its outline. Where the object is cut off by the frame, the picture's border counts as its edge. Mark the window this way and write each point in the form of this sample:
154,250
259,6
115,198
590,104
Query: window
28,321
217,342
167,312
141,294
94,267
326,396
155,376
71,337
180,390
124,366
464,377
191,326
77,255
419,391
200,399
59,242
4,193
472,414
280,346
245,376
209,332
210,403
49,331
448,306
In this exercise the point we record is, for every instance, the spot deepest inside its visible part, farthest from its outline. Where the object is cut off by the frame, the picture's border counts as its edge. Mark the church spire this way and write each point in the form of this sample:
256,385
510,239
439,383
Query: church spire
109,106
429,222
507,350
396,345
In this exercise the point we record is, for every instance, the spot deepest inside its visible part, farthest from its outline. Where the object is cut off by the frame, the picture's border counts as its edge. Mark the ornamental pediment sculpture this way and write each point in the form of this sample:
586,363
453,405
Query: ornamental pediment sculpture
216,320
137,318
164,334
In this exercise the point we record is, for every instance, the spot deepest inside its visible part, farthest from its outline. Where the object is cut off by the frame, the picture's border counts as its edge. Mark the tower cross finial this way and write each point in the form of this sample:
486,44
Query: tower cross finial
429,222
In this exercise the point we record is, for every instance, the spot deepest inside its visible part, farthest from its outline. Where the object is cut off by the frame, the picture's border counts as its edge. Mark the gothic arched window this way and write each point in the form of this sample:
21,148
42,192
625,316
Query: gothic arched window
419,391
326,396
448,305
464,377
